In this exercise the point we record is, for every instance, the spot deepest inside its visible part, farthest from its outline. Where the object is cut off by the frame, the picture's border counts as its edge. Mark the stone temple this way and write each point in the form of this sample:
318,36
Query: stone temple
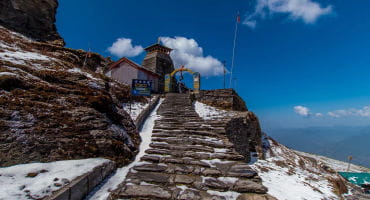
156,64
158,60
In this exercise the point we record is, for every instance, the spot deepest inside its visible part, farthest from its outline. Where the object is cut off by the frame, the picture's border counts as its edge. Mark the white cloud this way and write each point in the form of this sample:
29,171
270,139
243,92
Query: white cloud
188,52
301,110
318,114
306,10
123,47
363,112
250,23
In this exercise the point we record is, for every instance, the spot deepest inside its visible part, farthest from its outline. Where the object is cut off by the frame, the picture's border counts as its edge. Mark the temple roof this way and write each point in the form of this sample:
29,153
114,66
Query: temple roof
133,64
157,46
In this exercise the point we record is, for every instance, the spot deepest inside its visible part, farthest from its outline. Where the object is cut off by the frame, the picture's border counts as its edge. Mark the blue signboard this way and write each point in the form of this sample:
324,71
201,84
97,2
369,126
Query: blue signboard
141,87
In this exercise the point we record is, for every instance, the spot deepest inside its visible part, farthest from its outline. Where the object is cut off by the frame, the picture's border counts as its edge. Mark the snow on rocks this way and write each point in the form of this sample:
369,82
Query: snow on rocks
20,57
135,108
38,180
208,112
226,195
79,71
213,162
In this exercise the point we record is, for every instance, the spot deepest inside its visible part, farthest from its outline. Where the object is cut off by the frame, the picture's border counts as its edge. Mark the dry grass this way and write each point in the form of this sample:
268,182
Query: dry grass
339,186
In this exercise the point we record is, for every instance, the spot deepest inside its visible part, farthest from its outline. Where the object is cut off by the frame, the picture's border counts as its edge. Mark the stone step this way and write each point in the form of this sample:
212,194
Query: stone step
193,141
231,156
186,158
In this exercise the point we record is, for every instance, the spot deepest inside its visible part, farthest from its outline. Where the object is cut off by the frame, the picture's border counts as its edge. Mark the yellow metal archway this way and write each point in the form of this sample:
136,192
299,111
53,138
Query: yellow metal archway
169,79
181,69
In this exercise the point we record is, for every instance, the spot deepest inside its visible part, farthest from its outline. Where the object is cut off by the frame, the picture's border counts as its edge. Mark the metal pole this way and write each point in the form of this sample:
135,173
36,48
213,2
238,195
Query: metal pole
349,164
130,102
224,63
232,58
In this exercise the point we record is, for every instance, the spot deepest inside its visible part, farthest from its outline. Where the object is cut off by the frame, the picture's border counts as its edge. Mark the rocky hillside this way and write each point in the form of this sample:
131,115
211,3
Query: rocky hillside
55,107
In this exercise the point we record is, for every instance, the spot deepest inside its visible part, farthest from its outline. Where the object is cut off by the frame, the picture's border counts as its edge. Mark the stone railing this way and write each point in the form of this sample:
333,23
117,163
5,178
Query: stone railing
145,113
81,186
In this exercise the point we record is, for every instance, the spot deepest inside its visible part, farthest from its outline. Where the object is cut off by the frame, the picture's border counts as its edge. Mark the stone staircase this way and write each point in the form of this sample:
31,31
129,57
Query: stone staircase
189,159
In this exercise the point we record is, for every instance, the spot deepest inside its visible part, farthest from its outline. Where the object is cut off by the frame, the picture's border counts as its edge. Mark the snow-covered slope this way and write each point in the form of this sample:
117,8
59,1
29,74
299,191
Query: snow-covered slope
289,174
337,165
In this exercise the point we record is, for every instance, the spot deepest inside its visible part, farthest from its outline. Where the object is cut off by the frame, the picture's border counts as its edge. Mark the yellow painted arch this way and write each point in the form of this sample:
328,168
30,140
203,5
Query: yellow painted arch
181,69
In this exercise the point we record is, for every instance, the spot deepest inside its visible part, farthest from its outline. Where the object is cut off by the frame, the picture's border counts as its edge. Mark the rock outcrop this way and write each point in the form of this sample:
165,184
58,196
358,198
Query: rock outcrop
33,18
53,107
226,99
241,126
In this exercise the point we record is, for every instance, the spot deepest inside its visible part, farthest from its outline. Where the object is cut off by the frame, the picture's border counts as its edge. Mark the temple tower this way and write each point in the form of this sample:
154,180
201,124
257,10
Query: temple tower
158,60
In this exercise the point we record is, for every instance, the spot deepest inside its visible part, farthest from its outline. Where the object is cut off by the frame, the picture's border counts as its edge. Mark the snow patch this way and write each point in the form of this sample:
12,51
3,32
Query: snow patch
213,162
79,71
228,195
135,108
208,112
19,57
18,178
230,180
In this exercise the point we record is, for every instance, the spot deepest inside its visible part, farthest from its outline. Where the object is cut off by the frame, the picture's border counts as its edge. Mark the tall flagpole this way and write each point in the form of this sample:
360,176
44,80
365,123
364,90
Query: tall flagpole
232,58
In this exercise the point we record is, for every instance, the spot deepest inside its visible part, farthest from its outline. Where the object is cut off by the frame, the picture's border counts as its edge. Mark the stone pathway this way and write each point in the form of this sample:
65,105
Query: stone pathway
189,159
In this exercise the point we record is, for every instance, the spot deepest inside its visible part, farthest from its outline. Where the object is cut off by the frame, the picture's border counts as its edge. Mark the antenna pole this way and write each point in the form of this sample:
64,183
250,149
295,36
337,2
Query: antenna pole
232,58
224,63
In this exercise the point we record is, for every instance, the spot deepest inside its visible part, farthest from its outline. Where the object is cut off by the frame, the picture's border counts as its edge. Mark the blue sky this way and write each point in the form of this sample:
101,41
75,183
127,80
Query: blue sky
298,63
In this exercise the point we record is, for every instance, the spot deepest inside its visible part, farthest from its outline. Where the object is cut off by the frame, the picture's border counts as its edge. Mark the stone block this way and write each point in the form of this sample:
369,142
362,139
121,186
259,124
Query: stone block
145,192
80,189
249,186
94,178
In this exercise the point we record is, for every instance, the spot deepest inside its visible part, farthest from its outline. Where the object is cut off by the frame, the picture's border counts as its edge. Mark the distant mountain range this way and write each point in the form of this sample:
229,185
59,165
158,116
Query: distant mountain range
334,142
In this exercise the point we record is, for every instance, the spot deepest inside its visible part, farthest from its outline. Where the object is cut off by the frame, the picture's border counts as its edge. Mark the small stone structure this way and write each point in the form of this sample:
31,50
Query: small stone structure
226,99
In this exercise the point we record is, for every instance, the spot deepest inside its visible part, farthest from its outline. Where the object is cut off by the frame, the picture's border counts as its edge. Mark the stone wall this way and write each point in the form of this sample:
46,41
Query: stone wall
244,132
145,113
226,99
33,18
